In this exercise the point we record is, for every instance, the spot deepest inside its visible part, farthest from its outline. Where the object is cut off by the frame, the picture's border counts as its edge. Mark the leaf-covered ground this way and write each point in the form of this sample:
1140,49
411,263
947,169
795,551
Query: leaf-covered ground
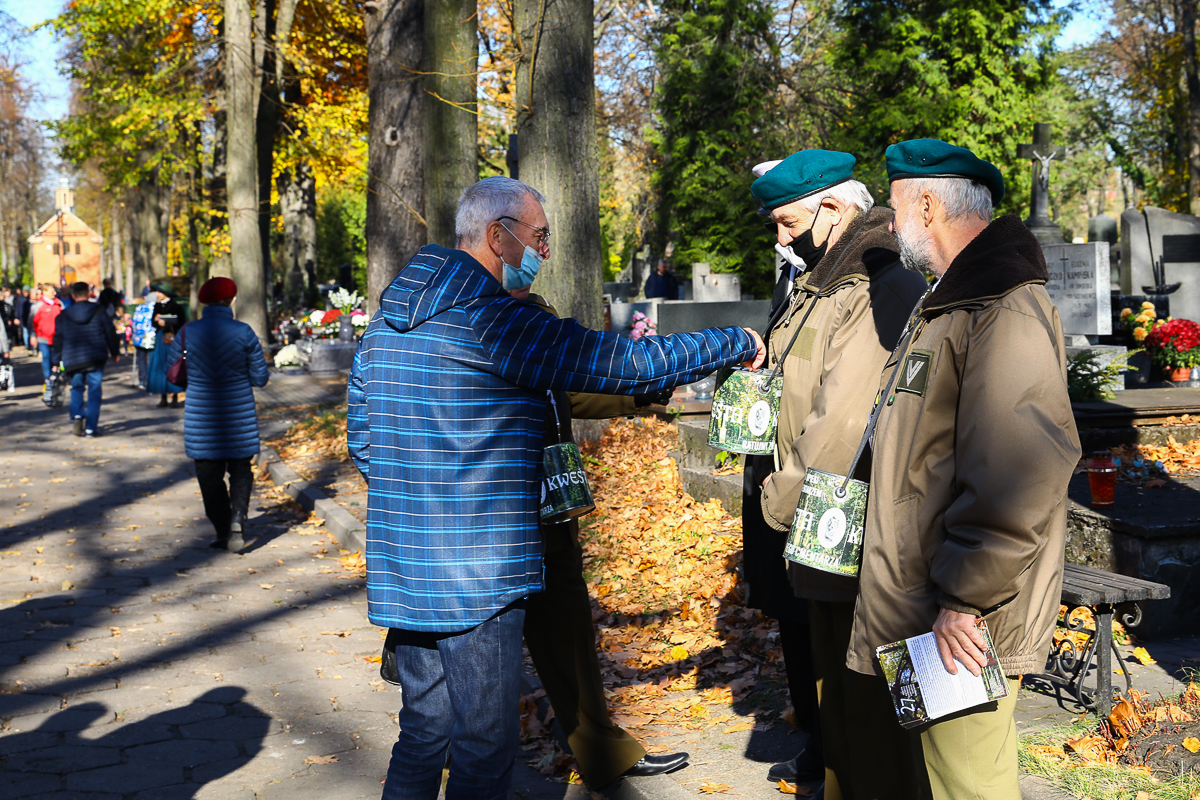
1146,748
678,648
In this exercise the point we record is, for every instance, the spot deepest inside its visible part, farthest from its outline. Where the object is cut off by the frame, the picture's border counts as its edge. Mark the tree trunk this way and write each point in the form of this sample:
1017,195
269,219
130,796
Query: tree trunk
135,287
266,123
448,114
395,227
198,267
246,258
1188,23
118,265
148,230
218,199
297,186
556,126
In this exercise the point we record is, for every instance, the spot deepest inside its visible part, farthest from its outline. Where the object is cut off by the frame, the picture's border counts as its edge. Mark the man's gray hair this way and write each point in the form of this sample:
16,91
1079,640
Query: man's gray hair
486,202
961,197
848,193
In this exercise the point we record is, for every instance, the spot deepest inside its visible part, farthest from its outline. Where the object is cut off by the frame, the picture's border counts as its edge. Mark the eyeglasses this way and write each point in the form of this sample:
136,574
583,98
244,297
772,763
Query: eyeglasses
540,235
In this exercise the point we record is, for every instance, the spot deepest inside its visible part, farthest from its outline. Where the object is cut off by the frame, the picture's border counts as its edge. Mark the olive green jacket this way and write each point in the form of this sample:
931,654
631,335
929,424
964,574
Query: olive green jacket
972,455
831,373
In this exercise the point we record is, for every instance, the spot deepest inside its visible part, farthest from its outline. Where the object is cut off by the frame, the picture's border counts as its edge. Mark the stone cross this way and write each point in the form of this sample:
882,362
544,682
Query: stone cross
1041,152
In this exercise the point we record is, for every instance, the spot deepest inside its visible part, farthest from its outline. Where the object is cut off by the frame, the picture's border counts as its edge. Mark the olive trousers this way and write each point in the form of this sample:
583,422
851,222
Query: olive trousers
972,755
868,756
561,638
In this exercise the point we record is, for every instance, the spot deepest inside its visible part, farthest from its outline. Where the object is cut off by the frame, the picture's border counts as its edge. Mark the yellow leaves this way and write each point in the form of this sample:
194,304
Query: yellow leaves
708,787
738,727
1089,748
679,653
792,788
321,760
1192,744
266,586
67,586
1143,656
355,562
1125,718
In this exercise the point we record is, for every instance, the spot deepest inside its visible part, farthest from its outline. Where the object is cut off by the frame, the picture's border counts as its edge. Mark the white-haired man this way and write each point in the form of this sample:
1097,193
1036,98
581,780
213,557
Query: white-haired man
972,454
447,406
846,312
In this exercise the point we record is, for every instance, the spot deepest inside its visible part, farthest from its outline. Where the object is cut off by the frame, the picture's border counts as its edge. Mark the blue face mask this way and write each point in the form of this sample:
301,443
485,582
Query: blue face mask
522,276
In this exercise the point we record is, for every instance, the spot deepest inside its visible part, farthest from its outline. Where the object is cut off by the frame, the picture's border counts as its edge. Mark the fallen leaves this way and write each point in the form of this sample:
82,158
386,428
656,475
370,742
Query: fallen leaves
708,787
321,760
1176,458
356,563
1141,654
1192,744
266,586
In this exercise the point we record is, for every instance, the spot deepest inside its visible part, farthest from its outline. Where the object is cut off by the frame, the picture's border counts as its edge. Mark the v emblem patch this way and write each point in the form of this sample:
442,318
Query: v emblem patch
916,372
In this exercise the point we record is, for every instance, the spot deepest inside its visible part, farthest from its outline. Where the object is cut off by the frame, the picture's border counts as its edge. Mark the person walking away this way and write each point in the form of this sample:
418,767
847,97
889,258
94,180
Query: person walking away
83,340
973,450
846,313
21,318
167,319
144,335
43,327
220,425
7,383
447,406
110,299
662,283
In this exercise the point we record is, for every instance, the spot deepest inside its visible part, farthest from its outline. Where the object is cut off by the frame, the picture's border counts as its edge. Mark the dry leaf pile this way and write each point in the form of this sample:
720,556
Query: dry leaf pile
320,437
1085,620
677,646
1145,736
1177,459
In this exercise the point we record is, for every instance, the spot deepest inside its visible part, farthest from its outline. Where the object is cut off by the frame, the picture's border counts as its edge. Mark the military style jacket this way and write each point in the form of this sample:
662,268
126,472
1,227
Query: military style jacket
972,454
860,297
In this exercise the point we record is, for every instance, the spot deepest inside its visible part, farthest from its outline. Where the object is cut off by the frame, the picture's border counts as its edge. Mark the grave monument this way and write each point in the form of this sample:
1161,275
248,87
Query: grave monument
1041,153
1160,258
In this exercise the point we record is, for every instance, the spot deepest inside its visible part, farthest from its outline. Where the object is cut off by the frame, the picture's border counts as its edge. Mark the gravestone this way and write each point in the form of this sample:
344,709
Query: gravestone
1079,287
711,287
1041,152
1160,249
1103,228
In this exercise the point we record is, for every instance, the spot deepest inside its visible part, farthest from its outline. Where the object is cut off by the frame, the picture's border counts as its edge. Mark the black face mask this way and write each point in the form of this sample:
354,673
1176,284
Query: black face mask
803,245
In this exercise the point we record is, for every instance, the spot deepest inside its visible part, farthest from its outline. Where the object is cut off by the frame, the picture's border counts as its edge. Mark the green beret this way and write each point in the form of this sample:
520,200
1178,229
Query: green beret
932,158
800,175
166,287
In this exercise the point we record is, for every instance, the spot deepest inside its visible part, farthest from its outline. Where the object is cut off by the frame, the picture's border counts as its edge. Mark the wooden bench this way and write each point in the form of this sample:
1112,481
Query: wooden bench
1102,592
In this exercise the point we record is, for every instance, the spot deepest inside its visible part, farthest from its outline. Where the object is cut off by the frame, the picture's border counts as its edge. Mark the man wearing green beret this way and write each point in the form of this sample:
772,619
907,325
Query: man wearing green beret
847,308
971,458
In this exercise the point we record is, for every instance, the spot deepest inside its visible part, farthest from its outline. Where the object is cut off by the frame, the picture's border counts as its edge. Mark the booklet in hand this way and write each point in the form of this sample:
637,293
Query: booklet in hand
922,690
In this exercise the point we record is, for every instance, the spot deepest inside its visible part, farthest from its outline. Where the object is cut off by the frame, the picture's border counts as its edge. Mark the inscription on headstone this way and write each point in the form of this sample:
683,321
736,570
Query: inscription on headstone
1079,286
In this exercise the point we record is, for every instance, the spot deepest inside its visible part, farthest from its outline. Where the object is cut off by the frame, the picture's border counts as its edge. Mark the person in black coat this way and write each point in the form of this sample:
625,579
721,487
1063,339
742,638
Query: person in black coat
84,338
662,283
168,319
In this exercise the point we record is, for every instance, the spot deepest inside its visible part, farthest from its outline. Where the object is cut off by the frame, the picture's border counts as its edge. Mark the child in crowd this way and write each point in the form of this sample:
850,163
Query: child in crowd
124,329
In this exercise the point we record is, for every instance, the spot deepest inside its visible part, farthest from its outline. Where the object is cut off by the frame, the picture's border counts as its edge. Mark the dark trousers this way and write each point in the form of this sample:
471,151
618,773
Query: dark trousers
561,638
89,384
140,357
857,716
220,502
795,640
460,691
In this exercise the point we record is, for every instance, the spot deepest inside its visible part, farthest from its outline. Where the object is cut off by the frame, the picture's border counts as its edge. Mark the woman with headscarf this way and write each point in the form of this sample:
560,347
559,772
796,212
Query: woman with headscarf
167,320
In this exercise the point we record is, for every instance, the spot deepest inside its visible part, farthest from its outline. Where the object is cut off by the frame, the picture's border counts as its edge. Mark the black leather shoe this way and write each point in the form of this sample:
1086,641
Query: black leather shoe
237,526
656,765
801,769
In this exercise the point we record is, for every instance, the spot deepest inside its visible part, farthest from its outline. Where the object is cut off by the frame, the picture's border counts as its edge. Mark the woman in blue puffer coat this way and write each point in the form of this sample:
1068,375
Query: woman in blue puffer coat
220,424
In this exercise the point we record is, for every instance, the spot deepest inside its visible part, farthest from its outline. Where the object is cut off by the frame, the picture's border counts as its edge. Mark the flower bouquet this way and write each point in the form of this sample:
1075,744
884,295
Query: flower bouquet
1175,346
1140,324
288,356
642,326
344,301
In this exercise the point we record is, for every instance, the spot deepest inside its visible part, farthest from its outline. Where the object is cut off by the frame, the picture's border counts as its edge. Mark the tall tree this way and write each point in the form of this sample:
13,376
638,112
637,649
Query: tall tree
1191,69
556,126
449,115
395,227
246,255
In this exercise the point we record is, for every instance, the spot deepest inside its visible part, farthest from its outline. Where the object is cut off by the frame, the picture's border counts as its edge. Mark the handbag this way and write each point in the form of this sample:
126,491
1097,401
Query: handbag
177,374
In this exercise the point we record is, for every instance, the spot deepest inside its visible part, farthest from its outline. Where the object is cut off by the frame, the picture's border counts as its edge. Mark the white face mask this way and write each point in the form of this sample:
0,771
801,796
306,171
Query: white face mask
522,276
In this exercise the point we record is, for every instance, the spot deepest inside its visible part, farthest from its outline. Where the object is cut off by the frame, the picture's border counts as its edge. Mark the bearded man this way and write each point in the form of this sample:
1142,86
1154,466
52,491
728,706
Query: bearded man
971,458
846,311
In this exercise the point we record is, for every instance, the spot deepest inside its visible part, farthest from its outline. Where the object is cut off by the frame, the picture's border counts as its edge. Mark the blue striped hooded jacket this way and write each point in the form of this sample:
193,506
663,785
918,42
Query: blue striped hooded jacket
447,406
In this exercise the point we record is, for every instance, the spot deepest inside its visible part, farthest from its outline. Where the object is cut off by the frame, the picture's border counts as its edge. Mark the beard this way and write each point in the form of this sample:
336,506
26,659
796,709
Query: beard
915,251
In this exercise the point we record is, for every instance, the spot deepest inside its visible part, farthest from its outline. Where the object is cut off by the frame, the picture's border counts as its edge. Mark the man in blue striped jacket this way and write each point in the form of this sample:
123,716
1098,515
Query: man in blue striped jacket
447,406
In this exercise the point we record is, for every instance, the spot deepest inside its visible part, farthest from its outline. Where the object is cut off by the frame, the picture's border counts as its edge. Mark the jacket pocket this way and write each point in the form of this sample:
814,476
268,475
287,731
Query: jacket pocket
913,571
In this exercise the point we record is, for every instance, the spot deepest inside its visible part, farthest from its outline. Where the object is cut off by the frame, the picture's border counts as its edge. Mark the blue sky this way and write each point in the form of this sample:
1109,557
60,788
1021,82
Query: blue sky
42,51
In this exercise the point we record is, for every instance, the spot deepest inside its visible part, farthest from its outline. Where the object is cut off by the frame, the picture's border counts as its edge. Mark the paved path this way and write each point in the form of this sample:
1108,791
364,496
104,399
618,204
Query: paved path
139,664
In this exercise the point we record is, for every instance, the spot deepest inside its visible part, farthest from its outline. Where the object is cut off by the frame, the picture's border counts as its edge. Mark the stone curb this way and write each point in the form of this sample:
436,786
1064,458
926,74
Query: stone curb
340,523
1035,788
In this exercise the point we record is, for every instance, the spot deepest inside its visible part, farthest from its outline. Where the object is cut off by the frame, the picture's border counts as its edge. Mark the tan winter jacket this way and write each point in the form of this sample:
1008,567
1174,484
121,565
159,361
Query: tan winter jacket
972,454
830,374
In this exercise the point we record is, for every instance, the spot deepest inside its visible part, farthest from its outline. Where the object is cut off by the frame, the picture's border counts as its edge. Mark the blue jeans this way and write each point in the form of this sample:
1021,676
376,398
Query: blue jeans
92,380
44,348
460,691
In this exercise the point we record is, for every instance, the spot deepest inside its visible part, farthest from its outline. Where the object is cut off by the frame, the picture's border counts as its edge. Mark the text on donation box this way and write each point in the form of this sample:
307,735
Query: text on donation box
1079,286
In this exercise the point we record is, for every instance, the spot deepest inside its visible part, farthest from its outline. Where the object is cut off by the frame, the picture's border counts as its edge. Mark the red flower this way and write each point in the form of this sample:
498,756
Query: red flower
330,316
1180,334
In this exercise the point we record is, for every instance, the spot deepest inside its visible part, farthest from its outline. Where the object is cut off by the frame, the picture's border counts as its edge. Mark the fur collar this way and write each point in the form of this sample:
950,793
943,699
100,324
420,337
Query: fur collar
865,250
1004,256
